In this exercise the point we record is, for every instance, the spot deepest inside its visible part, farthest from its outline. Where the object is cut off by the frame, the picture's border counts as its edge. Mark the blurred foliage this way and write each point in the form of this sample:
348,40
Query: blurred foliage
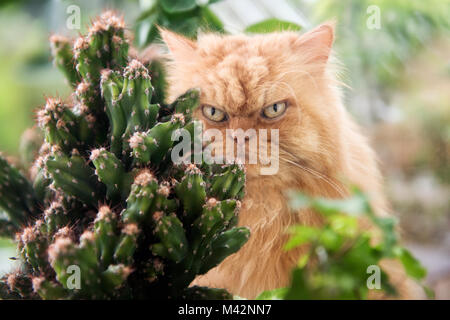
341,252
182,16
415,150
25,72
272,25
400,90
5,243
436,154
406,26
426,87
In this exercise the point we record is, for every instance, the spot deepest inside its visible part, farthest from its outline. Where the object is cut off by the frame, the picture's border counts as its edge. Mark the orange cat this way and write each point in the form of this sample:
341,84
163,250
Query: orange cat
278,81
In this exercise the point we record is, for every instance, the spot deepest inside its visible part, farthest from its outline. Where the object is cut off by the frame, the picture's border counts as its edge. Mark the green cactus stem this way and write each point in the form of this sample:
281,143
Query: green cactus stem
105,213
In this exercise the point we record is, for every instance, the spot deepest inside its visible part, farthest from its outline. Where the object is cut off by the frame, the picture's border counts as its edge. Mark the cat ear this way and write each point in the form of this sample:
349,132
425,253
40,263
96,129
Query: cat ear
317,43
181,48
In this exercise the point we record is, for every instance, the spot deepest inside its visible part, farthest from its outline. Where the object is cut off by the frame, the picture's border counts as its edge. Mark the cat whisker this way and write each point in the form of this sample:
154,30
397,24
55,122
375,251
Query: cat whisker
319,175
320,151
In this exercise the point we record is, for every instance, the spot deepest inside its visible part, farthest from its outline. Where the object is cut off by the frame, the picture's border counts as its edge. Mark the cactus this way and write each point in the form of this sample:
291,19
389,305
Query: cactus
104,212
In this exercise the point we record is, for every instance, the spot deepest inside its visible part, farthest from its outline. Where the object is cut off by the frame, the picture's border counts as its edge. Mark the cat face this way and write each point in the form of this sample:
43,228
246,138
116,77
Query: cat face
268,82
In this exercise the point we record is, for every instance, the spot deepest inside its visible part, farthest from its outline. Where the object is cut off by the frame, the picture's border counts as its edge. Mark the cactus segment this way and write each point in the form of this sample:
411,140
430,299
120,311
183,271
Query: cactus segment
64,128
170,232
63,58
229,184
73,176
17,197
105,227
191,190
127,244
223,245
141,198
111,172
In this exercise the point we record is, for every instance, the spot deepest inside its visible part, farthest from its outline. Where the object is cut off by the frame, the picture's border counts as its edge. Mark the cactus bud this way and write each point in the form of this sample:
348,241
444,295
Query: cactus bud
127,244
191,190
111,172
63,58
141,197
105,226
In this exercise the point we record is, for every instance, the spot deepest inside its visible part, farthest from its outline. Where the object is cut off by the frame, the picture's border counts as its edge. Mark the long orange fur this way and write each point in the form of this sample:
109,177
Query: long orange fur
322,151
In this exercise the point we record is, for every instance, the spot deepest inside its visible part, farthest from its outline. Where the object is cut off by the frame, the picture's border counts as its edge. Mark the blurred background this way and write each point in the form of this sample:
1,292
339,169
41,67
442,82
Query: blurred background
395,58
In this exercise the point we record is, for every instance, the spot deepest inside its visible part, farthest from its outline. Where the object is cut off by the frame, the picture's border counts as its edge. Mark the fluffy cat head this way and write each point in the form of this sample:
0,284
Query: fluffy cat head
276,81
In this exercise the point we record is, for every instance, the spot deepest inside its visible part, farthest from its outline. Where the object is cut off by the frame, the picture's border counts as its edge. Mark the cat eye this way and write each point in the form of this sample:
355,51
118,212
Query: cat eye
274,110
214,114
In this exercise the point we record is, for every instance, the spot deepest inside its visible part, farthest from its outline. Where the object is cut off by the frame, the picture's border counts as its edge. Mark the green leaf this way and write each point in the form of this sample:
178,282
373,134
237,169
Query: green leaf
356,205
148,12
211,21
387,226
347,251
272,25
429,292
303,260
210,2
331,240
177,6
300,288
412,266
187,25
301,235
277,294
145,29
344,225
